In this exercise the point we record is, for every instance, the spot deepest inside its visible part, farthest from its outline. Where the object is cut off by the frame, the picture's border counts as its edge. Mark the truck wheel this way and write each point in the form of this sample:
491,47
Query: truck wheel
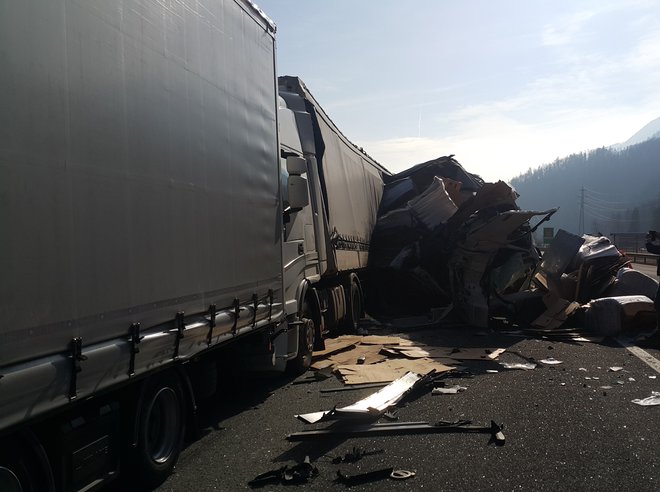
306,337
24,465
160,428
354,305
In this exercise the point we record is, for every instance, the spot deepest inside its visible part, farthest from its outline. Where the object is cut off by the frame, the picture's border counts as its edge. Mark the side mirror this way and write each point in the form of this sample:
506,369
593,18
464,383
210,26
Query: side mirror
296,165
297,189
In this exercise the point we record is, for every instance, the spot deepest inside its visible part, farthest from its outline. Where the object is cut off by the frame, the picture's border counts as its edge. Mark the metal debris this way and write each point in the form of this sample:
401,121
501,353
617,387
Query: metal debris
375,404
356,454
652,400
402,474
383,429
299,474
362,478
525,366
451,390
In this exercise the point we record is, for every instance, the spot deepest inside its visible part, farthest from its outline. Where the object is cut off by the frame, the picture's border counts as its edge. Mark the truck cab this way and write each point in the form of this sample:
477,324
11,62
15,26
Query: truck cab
331,191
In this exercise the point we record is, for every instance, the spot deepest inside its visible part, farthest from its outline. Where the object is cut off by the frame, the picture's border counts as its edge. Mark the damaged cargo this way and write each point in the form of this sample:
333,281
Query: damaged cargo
444,237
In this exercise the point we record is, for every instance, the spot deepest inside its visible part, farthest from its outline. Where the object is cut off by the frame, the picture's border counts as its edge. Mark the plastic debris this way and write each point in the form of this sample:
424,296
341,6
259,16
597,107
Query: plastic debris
616,369
356,454
649,401
582,369
525,366
551,361
492,371
296,475
402,474
452,390
363,478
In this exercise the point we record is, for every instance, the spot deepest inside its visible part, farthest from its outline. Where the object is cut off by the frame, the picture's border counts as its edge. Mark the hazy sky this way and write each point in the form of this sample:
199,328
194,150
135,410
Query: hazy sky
504,85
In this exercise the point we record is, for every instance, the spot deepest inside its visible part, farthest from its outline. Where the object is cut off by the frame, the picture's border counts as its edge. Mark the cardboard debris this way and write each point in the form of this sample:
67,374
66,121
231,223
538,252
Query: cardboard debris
384,340
375,359
424,351
334,345
371,354
557,313
388,370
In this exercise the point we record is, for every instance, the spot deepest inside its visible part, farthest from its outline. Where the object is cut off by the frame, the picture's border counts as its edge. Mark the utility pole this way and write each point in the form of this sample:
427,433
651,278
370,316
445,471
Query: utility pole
581,219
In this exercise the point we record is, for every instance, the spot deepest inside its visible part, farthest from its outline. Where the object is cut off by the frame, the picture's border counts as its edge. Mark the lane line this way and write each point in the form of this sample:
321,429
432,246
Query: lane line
641,354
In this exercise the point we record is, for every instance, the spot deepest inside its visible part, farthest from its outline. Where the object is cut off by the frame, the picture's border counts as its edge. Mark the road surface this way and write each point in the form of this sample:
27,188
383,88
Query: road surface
570,426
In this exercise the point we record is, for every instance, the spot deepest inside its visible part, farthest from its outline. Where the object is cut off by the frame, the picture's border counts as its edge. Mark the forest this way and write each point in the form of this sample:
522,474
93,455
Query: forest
606,190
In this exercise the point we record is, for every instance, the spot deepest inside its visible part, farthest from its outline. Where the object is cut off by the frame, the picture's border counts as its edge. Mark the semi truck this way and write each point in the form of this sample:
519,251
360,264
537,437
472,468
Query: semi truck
164,197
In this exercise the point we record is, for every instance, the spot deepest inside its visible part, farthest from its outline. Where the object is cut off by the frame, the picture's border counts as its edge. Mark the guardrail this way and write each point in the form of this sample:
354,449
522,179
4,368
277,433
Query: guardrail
645,258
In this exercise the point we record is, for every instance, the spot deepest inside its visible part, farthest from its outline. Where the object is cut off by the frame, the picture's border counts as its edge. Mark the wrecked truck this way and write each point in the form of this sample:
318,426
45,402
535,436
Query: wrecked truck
445,240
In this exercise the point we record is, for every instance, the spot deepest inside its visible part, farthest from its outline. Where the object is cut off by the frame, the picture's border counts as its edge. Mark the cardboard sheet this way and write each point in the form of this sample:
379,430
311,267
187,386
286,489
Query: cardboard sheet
371,354
421,352
333,345
388,370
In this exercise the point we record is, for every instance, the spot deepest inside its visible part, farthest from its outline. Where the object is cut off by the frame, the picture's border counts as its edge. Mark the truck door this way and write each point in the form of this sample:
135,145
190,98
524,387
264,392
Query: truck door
300,257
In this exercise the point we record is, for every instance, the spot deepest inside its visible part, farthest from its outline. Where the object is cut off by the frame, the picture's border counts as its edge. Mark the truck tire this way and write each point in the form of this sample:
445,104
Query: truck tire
24,465
160,421
354,305
306,337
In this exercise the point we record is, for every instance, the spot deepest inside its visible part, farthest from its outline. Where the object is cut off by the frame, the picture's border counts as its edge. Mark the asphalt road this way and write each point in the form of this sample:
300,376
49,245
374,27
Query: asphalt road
570,426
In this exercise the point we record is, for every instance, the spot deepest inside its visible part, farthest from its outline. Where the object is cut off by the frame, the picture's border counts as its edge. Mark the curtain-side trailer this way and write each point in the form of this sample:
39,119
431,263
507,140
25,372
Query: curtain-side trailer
159,202
327,242
141,216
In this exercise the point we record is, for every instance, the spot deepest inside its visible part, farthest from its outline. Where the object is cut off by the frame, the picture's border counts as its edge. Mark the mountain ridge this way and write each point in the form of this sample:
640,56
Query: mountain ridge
606,190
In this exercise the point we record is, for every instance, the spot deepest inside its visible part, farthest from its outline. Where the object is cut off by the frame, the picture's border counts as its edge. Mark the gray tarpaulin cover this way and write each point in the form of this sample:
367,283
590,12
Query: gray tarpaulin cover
139,172
352,187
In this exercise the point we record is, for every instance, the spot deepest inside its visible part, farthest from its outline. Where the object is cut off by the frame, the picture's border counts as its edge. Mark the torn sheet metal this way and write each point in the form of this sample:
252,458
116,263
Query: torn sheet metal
374,404
445,238
387,397
475,255
581,268
593,248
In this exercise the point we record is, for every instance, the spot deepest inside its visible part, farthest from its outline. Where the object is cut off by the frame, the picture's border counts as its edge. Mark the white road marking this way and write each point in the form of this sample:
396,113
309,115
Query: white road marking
641,354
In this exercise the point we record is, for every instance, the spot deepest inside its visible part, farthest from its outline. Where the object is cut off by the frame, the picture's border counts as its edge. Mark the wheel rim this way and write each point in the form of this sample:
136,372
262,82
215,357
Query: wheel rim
163,422
9,481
